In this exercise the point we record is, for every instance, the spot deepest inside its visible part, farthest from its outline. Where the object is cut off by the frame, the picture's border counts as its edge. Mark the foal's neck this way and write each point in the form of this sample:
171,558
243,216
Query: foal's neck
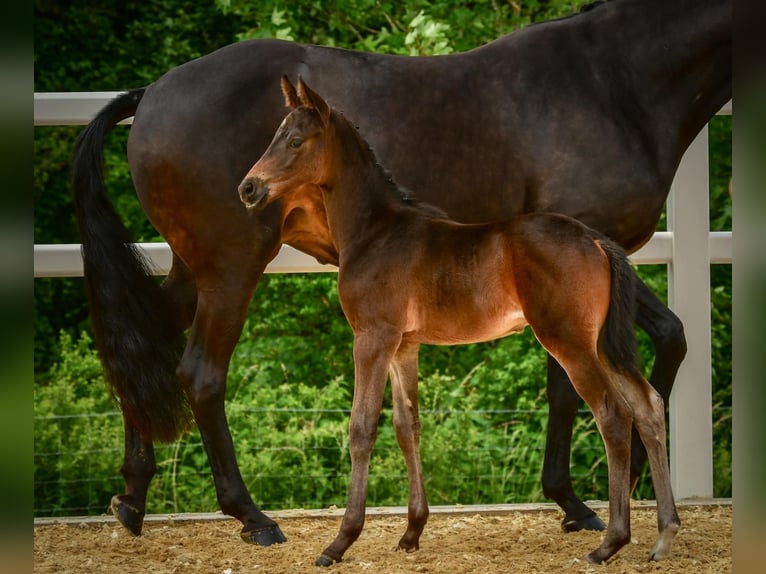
360,194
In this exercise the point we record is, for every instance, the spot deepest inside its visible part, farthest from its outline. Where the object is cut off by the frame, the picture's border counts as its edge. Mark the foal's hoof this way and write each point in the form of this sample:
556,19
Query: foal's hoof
129,516
265,536
661,549
324,560
593,558
590,522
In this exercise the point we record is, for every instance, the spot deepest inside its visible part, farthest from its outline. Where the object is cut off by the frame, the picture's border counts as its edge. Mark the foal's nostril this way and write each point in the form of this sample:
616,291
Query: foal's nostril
253,191
247,190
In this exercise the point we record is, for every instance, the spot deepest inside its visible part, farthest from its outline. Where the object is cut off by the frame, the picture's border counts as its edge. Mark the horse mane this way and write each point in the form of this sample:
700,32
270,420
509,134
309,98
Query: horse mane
405,196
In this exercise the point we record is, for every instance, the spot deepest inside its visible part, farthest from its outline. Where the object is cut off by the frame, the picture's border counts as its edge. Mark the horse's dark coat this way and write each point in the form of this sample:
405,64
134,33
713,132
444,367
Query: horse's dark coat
587,116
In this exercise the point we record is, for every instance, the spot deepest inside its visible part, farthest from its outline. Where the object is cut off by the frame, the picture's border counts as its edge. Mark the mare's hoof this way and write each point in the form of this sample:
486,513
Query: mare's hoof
324,560
591,522
129,516
265,536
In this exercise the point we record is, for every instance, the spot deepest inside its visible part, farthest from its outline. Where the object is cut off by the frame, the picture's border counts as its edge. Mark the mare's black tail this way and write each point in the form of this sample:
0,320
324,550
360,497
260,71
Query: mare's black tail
618,338
132,322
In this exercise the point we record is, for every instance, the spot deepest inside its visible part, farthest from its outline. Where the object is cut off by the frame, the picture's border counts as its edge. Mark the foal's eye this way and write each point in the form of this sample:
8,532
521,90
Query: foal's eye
295,143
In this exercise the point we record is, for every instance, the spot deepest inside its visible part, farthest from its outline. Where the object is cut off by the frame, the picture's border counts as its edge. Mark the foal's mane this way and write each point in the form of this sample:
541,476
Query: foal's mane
405,196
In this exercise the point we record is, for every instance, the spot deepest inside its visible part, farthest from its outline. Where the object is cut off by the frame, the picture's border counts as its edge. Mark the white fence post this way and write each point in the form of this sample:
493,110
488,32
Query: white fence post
691,418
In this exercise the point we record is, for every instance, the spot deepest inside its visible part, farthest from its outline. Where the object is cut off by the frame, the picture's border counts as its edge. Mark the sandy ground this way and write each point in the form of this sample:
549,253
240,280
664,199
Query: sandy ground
528,541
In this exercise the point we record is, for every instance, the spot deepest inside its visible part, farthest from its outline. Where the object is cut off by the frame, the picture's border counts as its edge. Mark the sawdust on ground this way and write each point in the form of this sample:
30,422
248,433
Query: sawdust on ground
523,542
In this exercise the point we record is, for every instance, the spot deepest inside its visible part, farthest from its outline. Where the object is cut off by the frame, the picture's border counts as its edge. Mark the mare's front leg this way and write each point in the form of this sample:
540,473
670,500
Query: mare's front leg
139,465
221,309
563,403
373,353
404,390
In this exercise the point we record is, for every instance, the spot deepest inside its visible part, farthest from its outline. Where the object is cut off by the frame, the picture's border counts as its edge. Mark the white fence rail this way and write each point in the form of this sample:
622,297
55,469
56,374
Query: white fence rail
688,247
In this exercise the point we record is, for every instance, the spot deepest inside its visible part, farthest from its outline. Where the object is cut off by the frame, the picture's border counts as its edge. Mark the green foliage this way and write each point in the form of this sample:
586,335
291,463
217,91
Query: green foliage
721,304
415,27
77,434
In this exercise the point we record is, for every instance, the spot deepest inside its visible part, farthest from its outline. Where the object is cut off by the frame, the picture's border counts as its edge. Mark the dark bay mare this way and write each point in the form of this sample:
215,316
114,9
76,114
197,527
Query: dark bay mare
408,275
586,116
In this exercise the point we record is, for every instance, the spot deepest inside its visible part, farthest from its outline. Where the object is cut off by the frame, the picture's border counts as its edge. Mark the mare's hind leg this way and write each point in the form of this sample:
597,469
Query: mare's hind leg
221,309
139,465
563,403
667,333
404,390
138,469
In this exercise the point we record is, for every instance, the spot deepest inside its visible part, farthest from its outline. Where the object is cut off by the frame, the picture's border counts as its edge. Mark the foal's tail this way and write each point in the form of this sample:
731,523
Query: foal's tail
133,325
618,339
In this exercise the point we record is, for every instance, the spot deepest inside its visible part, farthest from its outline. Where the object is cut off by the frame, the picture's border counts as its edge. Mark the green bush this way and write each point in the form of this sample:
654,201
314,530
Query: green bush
77,435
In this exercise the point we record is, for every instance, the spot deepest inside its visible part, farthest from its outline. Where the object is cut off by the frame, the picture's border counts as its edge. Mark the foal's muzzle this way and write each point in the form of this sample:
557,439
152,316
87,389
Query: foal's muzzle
253,192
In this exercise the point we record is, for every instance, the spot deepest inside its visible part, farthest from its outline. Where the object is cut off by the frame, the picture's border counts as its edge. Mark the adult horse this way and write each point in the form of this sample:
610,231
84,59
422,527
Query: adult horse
587,116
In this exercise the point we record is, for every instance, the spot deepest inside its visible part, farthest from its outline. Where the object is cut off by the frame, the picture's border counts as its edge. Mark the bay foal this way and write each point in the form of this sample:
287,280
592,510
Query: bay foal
408,275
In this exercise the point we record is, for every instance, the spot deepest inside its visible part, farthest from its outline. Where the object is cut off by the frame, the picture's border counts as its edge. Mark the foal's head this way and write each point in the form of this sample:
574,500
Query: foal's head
297,156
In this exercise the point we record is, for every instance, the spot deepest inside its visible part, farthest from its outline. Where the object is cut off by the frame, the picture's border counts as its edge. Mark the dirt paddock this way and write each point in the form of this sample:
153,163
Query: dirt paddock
456,540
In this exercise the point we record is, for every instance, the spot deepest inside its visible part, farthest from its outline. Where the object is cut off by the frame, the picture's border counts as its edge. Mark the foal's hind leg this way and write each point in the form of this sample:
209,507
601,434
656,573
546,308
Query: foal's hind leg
563,403
139,465
404,387
649,420
667,333
614,420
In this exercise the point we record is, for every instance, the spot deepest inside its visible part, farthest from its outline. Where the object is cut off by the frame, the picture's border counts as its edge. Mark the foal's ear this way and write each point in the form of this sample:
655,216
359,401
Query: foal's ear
291,96
311,99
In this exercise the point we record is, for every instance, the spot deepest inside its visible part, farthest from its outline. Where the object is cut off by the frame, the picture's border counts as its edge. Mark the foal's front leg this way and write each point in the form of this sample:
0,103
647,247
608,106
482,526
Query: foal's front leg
404,387
373,352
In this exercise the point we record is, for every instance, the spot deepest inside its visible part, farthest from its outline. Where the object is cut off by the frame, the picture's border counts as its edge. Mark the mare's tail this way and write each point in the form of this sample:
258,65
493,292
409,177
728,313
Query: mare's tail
133,325
618,338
